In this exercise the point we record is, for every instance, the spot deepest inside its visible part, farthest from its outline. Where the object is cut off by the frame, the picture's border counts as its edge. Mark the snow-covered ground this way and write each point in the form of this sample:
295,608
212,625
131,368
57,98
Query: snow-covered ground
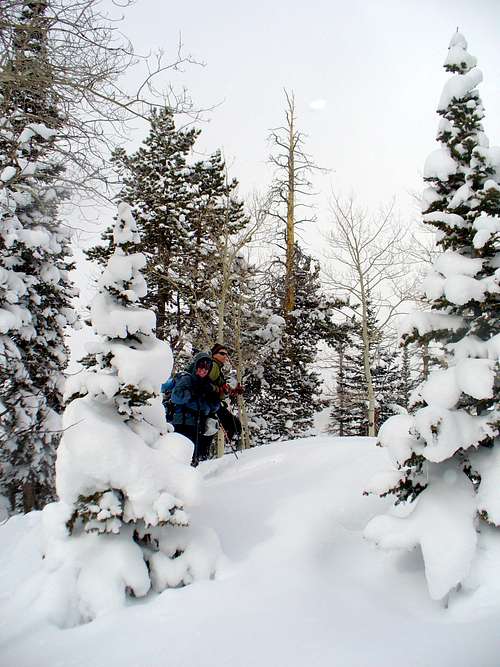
298,584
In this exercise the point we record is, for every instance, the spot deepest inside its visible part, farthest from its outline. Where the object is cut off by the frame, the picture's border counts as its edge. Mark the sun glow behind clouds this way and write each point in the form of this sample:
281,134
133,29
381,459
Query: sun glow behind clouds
317,105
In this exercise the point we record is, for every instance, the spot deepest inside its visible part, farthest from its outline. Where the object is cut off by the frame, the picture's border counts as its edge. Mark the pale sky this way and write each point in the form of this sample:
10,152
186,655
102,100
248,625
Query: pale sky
366,74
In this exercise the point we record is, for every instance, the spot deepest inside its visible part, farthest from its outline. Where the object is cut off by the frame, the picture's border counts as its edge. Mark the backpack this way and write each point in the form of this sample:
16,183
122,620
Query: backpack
167,389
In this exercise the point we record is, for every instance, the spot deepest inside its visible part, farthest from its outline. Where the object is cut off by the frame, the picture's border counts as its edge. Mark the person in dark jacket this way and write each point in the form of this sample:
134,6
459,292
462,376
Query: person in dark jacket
194,399
220,358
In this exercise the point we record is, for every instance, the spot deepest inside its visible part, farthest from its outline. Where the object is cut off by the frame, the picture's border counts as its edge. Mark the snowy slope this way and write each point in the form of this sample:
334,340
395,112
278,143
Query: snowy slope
299,585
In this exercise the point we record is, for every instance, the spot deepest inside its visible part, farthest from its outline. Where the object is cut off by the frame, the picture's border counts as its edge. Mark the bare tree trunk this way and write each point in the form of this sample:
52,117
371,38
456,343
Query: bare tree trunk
226,262
29,496
290,185
160,315
425,360
289,304
220,443
245,434
341,396
370,395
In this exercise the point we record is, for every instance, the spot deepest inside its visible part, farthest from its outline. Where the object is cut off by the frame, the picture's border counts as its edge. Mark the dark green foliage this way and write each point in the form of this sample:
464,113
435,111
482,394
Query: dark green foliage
454,205
34,250
183,210
287,392
391,380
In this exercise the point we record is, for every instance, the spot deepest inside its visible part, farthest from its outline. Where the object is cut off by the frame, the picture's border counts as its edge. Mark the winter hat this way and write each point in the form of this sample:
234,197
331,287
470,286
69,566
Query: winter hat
218,347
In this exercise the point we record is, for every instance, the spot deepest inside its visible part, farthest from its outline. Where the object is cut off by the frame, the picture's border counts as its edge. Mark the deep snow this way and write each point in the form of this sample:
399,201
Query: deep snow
299,584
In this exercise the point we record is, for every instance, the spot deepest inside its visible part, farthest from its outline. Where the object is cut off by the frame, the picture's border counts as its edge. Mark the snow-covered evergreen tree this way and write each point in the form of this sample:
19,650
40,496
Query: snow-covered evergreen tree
287,391
122,478
391,383
216,215
348,413
339,414
447,452
35,291
184,211
156,184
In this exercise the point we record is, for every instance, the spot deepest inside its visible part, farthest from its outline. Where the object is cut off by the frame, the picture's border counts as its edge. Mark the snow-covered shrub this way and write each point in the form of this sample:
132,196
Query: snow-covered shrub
446,453
123,480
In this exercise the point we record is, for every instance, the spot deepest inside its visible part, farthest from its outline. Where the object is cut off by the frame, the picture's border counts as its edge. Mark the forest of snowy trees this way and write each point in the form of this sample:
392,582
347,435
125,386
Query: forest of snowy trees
189,261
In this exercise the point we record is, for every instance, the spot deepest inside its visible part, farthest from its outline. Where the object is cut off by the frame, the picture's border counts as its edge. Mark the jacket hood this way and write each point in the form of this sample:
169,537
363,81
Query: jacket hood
201,356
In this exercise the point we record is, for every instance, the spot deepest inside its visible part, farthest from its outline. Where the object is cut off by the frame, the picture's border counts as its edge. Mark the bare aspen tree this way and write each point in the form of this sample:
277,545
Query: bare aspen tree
88,56
366,262
229,294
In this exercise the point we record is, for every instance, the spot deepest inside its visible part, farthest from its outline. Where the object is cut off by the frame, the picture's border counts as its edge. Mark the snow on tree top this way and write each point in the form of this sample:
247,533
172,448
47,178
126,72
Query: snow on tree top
458,40
145,367
458,56
125,269
459,86
125,231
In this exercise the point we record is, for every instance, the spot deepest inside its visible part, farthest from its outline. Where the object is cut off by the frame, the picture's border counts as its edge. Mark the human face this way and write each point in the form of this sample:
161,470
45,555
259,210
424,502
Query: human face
202,372
222,356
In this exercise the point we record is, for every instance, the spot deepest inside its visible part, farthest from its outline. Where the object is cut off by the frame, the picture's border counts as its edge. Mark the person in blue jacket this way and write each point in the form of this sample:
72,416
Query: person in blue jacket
193,399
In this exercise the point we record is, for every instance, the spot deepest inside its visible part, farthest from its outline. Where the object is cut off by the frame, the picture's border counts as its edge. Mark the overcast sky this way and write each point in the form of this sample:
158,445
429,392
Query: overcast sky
367,75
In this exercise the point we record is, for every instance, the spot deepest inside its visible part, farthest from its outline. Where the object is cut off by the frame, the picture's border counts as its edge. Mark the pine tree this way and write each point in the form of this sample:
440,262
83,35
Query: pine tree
35,291
349,409
156,184
339,413
288,391
184,210
216,215
448,450
391,384
348,414
122,478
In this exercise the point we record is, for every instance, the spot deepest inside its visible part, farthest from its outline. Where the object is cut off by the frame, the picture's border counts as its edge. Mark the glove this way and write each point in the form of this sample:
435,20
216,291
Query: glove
211,426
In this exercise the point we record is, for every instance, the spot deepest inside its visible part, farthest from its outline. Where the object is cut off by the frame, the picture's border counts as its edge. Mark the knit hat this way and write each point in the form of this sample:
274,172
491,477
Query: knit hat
218,347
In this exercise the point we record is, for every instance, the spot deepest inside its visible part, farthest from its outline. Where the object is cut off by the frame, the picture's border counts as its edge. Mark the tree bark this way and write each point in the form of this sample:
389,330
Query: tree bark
370,395
290,214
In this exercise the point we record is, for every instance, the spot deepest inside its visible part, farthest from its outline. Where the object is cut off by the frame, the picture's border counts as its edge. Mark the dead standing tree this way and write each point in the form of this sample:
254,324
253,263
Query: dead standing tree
291,182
